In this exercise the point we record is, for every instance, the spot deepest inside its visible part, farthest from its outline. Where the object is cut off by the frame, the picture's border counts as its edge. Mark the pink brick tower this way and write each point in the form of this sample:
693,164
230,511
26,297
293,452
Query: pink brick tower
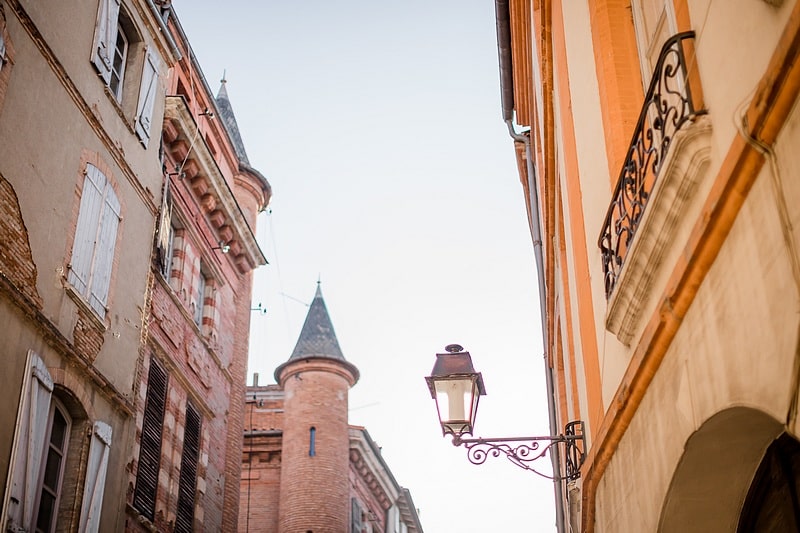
314,493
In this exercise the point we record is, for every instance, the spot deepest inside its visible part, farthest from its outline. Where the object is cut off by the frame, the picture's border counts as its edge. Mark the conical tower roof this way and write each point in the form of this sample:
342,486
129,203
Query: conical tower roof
229,119
317,338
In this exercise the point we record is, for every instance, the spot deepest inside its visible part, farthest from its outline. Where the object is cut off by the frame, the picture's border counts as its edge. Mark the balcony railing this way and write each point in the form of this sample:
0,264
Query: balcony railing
668,106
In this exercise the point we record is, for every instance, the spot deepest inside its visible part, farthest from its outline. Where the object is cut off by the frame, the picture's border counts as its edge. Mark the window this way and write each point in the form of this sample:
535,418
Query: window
105,41
144,496
37,471
117,73
95,240
654,23
96,467
147,97
111,56
58,427
312,441
166,234
199,297
188,478
2,49
355,516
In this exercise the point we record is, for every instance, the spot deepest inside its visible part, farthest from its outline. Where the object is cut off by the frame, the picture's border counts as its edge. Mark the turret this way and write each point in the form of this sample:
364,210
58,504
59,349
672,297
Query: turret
314,493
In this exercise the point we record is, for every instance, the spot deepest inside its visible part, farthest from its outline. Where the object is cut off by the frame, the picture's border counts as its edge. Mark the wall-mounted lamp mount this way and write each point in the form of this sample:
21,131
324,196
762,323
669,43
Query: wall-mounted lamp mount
457,387
223,247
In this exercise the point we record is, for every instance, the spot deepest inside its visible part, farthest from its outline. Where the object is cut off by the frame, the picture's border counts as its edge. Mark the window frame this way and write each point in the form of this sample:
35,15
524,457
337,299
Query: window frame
118,49
119,63
94,246
56,407
648,44
198,305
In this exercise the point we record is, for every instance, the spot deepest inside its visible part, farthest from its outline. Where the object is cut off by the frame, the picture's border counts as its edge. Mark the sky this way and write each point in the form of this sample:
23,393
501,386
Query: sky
378,125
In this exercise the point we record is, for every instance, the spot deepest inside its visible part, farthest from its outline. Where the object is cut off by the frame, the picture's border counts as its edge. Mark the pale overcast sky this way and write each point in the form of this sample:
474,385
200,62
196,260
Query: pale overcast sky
379,126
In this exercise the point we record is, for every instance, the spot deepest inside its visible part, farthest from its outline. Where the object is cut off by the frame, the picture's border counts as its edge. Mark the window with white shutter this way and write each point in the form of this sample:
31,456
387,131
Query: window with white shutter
95,240
105,38
96,467
29,439
149,464
147,97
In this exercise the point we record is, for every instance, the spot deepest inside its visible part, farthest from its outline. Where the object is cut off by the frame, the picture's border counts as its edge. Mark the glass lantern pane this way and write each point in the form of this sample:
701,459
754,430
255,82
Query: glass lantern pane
453,398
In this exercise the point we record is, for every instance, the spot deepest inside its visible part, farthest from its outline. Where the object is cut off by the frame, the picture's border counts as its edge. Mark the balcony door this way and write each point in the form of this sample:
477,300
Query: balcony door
654,22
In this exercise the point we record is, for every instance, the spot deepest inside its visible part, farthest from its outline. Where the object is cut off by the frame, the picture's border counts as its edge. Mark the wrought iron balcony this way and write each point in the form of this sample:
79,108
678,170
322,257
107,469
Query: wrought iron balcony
668,106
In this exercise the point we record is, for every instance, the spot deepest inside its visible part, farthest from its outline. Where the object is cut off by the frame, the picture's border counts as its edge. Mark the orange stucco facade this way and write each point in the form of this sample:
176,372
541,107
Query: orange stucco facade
629,315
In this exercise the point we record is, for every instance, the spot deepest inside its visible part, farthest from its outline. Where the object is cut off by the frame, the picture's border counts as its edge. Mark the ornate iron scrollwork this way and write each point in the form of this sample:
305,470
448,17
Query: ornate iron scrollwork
668,106
523,451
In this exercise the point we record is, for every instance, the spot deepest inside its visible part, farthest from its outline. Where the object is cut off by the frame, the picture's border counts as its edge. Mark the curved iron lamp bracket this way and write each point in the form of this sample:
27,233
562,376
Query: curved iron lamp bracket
523,451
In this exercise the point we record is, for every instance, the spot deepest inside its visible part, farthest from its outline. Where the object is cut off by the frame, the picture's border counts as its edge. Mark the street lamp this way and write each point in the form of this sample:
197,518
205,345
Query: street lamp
457,387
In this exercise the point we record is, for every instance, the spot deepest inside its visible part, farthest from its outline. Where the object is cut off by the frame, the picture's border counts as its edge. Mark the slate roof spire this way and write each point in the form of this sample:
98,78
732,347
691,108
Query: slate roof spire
317,338
229,120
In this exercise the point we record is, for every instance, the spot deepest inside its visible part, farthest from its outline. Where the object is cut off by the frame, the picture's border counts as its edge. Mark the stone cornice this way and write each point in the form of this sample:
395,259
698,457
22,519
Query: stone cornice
209,185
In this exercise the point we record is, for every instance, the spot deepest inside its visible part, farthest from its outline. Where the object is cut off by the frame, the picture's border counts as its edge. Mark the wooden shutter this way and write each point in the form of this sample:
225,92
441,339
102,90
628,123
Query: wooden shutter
80,267
144,497
104,251
188,480
29,441
147,97
105,38
96,467
355,516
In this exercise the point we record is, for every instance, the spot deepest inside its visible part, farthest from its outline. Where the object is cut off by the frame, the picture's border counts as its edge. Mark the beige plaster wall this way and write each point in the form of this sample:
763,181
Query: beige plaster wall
41,117
735,347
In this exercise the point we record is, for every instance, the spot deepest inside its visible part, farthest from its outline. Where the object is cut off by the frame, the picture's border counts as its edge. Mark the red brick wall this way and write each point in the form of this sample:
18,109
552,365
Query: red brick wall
260,484
315,398
16,261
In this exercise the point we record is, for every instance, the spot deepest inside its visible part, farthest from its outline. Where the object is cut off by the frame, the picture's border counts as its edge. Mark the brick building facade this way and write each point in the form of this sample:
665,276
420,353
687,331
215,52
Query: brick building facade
127,204
304,467
185,473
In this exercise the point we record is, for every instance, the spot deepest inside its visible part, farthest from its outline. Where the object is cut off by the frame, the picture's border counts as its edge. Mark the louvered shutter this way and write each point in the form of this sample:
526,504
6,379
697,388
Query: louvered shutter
104,251
147,97
188,479
96,467
105,38
144,497
355,517
29,439
86,229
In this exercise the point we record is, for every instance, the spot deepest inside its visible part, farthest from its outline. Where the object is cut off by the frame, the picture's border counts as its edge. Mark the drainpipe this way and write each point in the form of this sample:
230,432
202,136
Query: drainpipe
507,99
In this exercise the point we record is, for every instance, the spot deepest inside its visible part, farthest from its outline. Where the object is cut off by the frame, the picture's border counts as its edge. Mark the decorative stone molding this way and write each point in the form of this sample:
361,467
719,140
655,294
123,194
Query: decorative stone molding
685,164
213,192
